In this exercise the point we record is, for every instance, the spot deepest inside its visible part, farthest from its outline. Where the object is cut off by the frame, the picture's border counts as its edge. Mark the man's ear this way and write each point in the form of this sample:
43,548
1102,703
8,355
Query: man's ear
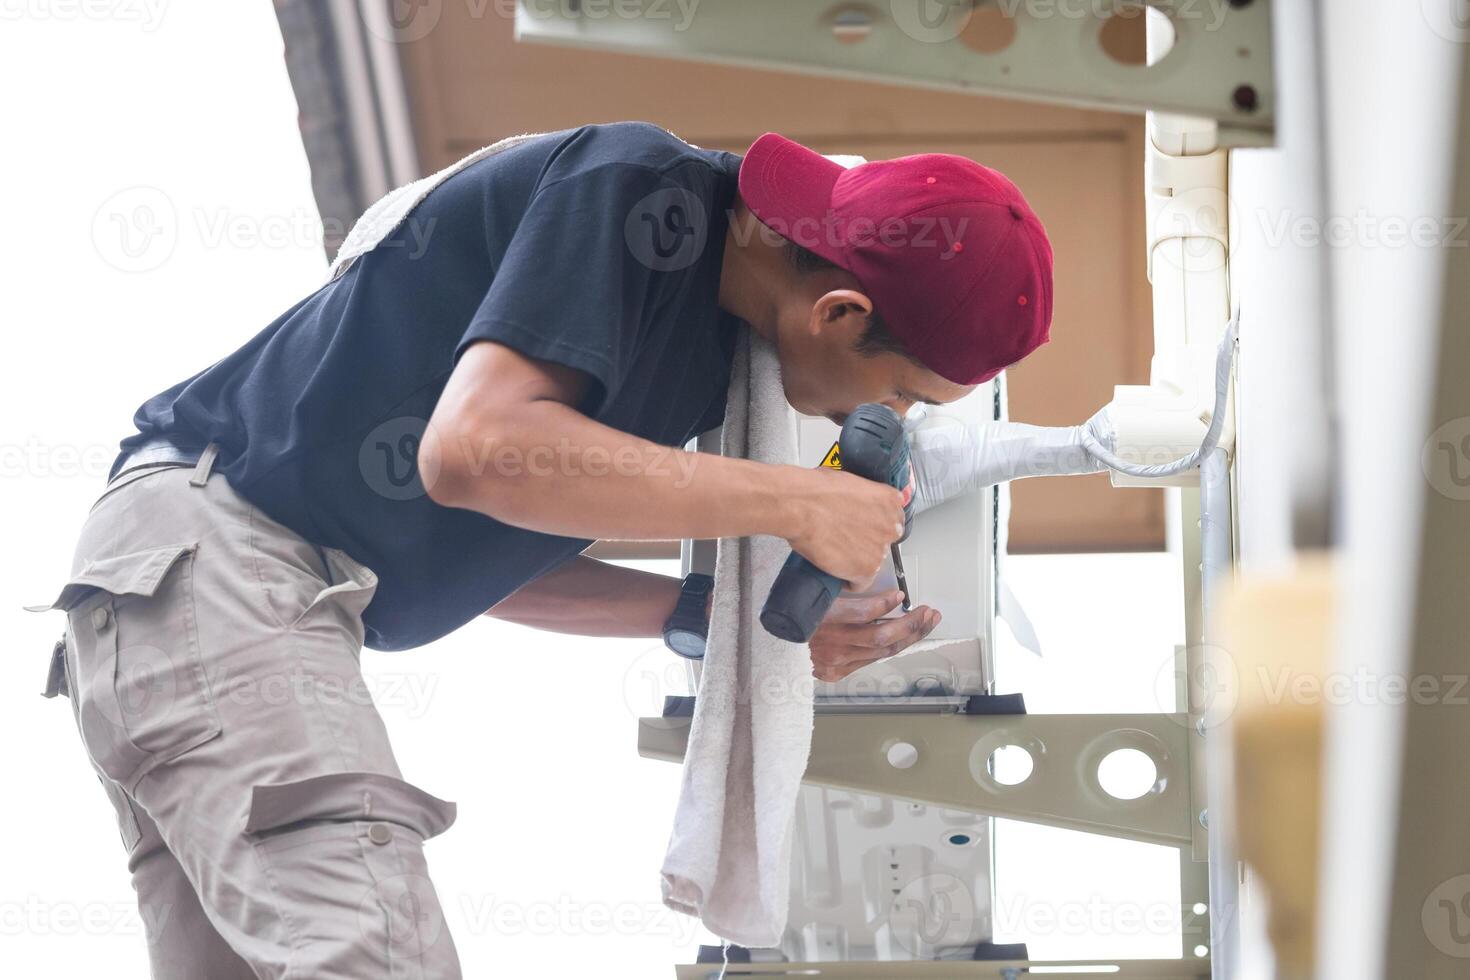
843,311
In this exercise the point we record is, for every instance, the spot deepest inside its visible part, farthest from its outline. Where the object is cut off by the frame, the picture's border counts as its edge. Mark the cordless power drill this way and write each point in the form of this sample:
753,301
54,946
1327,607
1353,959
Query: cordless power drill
872,445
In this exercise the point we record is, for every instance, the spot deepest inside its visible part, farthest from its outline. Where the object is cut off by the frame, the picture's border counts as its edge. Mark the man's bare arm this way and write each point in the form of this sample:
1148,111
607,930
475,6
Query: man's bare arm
587,597
506,440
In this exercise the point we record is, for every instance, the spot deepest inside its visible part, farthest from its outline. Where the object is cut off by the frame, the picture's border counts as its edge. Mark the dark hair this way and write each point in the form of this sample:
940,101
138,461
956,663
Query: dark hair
877,338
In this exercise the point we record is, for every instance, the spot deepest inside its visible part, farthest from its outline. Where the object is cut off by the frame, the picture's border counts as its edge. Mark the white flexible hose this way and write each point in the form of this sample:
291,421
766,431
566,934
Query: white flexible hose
1223,360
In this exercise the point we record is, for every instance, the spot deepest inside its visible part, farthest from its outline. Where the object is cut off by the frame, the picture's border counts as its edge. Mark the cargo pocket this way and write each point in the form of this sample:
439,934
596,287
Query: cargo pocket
343,852
340,796
59,681
348,591
138,683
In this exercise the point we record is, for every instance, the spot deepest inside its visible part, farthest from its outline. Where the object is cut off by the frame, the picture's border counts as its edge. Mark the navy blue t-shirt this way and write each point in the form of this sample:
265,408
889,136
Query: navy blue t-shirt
597,248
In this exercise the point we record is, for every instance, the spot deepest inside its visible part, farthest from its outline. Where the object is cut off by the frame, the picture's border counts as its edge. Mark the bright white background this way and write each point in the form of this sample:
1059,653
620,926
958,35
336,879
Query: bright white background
157,212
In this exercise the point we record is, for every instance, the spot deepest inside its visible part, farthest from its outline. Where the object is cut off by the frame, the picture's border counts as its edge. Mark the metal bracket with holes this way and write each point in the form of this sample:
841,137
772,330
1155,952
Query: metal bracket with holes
1054,51
943,760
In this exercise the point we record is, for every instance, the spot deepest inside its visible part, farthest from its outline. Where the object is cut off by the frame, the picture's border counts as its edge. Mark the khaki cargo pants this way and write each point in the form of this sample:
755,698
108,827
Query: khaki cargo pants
211,658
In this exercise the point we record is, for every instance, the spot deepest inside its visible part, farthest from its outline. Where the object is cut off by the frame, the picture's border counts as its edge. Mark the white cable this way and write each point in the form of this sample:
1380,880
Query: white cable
1223,360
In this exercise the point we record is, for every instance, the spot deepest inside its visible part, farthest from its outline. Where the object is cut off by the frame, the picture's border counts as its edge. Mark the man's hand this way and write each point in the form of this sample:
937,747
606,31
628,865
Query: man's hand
850,639
849,525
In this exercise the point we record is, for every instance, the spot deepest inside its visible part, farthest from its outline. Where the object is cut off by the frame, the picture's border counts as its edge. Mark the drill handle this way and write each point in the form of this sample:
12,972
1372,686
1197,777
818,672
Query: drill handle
799,600
873,446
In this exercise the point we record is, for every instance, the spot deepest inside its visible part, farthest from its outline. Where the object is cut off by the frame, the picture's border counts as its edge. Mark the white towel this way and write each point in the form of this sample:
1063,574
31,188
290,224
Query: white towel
387,213
729,857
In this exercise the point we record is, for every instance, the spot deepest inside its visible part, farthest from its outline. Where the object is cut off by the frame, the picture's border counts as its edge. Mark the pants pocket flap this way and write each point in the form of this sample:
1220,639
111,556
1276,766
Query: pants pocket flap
348,796
137,573
355,585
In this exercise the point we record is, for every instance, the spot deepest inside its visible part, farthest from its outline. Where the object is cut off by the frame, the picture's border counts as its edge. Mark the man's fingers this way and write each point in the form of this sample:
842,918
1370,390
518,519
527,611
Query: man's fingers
904,630
901,630
840,649
864,608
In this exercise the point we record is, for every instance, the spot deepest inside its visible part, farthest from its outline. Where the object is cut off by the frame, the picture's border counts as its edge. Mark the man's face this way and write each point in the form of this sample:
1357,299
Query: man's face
825,374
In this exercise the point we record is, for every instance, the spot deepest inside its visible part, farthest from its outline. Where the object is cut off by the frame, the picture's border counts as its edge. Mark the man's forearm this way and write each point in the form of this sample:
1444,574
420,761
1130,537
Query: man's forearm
587,597
506,441
592,481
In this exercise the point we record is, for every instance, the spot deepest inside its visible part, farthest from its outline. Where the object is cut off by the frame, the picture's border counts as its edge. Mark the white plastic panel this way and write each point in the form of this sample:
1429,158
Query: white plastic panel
949,560
874,878
883,879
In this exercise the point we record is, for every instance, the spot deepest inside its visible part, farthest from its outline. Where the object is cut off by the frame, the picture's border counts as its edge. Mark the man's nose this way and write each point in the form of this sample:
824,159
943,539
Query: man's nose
900,406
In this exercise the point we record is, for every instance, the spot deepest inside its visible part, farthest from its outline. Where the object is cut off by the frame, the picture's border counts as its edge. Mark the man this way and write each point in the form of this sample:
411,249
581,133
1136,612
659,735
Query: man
441,430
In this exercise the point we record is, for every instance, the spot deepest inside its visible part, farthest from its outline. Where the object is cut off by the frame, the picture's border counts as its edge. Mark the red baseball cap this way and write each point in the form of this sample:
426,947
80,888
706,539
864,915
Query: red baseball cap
953,257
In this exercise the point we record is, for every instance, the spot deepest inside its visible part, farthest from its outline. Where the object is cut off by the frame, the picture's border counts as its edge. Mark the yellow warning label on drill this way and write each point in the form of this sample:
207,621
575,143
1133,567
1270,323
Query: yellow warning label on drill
833,459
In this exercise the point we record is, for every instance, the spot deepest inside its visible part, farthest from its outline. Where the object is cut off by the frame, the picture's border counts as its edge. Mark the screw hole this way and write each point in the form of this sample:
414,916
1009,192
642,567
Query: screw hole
902,755
988,30
852,25
1127,774
1010,765
1246,99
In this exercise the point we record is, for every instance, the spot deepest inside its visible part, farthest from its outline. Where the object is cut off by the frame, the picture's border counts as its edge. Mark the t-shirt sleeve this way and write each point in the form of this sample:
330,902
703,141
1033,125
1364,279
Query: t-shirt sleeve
574,287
